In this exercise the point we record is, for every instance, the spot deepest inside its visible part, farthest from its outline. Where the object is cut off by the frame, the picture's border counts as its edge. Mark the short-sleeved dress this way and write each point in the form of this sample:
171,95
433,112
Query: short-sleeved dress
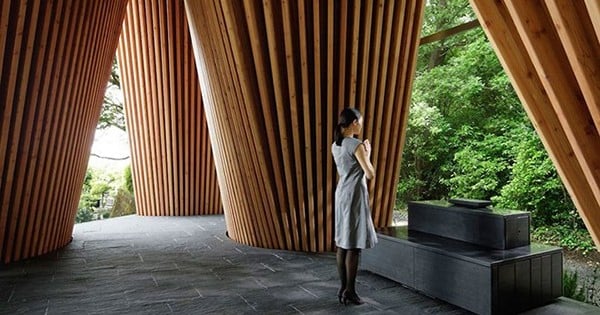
353,223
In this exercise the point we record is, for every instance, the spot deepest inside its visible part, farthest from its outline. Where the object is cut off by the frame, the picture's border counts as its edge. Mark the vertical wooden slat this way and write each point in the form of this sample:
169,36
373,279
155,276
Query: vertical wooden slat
331,116
364,64
412,31
163,112
318,133
309,206
245,119
276,67
264,69
354,47
35,165
381,139
266,99
342,54
53,81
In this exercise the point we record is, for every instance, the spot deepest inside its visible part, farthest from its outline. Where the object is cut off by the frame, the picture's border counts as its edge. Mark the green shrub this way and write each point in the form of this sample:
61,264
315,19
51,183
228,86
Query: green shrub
128,179
564,236
570,289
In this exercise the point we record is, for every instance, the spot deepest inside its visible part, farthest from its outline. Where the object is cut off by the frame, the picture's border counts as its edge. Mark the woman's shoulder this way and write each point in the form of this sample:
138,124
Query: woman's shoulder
351,144
352,141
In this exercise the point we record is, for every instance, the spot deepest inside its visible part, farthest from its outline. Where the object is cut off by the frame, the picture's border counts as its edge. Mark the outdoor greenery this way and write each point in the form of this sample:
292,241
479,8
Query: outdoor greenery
98,186
468,135
112,113
104,193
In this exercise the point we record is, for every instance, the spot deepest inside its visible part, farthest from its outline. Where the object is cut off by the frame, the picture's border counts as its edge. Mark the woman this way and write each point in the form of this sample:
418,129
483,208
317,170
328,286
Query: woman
354,228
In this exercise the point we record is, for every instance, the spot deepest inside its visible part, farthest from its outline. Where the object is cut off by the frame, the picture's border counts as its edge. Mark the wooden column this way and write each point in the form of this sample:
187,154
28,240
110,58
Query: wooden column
550,50
172,163
55,59
274,76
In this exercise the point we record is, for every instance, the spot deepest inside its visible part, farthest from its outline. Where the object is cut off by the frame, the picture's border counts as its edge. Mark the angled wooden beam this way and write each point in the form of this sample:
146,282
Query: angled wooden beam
532,55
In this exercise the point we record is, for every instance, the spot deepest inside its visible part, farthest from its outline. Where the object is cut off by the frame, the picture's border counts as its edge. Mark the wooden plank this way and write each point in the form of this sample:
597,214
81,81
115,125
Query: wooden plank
49,138
8,144
342,54
354,44
24,138
165,95
74,63
279,103
252,18
449,32
245,101
374,81
363,77
515,59
410,64
331,117
308,129
564,96
41,92
249,166
319,143
294,124
593,7
388,96
576,33
380,98
5,18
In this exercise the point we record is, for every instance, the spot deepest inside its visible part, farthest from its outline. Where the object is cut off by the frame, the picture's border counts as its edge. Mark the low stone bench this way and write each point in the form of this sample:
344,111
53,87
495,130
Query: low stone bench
480,279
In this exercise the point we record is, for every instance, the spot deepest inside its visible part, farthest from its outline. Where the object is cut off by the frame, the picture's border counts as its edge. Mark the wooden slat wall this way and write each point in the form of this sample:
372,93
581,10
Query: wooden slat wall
551,51
274,77
172,164
55,58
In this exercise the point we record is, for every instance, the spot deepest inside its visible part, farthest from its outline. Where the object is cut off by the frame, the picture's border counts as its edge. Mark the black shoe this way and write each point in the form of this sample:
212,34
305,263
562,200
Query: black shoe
351,298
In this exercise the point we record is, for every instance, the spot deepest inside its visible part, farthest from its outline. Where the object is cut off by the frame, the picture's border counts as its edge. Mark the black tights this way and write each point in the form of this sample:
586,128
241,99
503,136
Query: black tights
347,264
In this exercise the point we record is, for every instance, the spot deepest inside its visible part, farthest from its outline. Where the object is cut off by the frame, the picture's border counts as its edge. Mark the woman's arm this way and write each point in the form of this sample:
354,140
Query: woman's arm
362,154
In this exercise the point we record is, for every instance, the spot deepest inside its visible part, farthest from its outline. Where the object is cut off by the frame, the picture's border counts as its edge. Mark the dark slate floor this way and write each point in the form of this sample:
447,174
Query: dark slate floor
186,265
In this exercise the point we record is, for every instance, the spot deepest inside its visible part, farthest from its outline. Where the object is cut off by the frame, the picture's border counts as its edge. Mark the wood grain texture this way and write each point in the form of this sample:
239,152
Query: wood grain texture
55,58
172,163
550,51
274,76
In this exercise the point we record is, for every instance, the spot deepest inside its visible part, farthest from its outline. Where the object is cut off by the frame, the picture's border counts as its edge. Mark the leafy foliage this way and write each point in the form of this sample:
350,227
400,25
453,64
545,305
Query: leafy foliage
469,137
96,187
570,288
112,110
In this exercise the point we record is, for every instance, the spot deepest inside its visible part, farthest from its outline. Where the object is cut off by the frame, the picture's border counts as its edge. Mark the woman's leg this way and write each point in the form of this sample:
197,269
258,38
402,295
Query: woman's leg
341,266
352,257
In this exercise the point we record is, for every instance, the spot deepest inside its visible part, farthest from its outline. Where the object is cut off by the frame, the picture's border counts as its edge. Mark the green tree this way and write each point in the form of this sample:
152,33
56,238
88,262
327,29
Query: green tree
469,137
112,110
96,187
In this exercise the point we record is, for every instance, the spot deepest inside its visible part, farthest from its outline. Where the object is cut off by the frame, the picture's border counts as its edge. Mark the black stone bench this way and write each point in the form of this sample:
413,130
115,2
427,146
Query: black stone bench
478,278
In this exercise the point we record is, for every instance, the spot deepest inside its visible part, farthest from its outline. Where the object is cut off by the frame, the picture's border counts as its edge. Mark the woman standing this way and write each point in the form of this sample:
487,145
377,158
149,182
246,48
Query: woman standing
354,228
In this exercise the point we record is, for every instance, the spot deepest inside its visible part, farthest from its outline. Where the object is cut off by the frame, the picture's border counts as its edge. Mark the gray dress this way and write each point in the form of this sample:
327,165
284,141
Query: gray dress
353,223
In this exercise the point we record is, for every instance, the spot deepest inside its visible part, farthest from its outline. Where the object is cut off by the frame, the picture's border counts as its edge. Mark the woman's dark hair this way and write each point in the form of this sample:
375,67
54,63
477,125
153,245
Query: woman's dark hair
347,116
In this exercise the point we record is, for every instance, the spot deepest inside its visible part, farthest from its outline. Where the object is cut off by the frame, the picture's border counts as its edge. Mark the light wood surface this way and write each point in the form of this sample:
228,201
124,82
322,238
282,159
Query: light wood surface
172,163
274,76
58,56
